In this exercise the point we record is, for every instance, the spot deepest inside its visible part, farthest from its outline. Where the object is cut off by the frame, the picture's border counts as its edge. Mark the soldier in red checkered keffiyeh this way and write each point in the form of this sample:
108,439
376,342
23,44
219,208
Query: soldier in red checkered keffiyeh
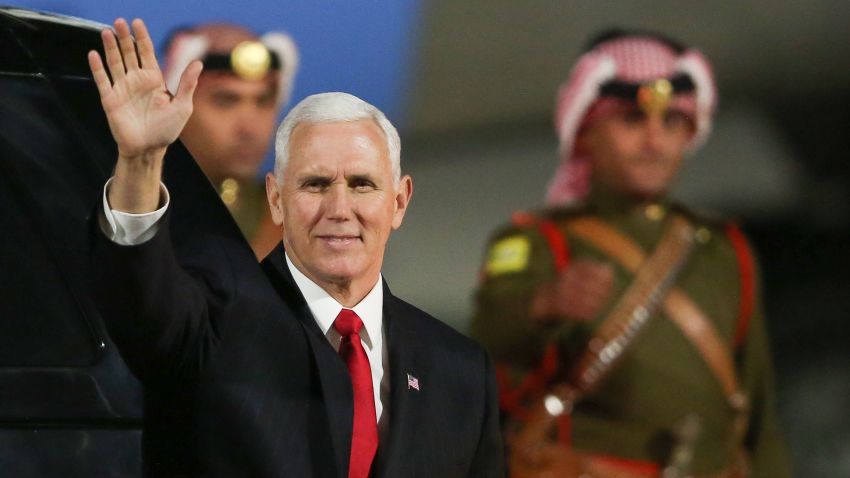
614,69
627,328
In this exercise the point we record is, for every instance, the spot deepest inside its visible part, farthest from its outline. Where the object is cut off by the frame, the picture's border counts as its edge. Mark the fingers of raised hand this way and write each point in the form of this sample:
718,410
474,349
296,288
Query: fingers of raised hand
113,55
147,55
188,82
101,79
128,47
123,55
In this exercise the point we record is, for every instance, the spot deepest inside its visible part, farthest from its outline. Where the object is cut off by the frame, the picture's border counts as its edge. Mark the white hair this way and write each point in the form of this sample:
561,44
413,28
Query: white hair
334,107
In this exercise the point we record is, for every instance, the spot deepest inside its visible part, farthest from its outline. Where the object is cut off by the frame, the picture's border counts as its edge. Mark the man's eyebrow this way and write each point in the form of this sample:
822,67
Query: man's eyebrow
313,177
224,94
360,177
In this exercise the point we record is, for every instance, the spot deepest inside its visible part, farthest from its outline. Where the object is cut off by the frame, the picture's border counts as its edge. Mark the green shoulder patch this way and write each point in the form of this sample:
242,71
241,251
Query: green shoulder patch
508,255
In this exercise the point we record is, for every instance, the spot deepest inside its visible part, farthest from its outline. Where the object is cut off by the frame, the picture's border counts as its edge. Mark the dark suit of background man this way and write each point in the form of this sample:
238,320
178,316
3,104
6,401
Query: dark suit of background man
248,375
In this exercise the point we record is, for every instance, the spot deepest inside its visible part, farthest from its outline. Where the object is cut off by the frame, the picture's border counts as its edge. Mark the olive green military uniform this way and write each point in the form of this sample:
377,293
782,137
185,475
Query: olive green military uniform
662,377
246,201
248,205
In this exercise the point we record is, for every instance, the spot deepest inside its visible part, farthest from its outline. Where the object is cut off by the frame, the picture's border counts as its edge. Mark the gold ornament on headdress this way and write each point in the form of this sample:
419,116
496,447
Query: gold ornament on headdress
654,97
250,60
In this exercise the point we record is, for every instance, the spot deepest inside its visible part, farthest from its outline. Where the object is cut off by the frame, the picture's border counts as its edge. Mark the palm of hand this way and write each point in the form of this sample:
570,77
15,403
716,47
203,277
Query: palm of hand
141,113
143,116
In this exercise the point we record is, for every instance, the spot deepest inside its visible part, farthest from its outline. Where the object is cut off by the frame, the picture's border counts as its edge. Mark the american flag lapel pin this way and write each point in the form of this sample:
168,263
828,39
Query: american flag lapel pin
412,382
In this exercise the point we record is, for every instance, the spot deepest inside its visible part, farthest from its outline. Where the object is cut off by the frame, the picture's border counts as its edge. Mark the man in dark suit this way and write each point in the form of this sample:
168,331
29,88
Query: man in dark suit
311,368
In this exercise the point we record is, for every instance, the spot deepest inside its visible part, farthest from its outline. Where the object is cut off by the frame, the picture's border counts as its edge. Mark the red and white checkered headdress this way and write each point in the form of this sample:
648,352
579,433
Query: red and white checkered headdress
199,43
614,68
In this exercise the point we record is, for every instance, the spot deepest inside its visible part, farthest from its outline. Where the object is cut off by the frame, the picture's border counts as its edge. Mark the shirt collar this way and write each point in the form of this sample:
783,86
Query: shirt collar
325,308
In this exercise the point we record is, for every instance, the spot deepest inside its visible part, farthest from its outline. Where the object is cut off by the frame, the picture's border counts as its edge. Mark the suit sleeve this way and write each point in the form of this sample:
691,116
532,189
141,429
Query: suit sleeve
489,461
159,315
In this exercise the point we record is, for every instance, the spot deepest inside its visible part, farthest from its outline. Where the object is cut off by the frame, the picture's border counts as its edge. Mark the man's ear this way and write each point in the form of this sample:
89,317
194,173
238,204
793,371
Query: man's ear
273,194
402,198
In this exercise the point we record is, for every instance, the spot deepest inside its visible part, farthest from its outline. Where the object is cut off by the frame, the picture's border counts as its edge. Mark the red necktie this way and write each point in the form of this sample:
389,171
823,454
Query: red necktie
364,437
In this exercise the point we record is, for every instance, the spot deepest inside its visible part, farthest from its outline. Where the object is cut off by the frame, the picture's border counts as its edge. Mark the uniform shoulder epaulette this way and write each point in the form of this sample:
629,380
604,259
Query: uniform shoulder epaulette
564,213
702,218
526,218
545,222
522,218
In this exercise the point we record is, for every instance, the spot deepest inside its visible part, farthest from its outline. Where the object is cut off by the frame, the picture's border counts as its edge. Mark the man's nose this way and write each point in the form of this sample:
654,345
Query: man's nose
246,123
654,131
338,202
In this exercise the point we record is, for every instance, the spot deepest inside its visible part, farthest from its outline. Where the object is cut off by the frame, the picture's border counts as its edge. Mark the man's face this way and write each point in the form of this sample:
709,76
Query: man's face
231,126
338,202
636,153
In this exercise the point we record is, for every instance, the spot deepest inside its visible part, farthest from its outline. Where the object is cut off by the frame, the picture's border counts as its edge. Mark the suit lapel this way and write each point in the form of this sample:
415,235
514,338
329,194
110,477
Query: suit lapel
333,375
404,358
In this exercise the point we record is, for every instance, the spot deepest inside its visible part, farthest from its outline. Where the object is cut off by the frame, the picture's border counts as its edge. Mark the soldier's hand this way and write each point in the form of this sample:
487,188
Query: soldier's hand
578,294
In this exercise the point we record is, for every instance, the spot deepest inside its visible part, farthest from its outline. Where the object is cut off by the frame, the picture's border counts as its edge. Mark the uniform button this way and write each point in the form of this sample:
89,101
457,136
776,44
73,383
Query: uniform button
739,401
654,212
229,191
702,235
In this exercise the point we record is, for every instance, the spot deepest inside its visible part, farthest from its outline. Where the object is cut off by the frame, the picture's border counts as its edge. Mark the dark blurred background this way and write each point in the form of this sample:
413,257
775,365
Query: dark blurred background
471,84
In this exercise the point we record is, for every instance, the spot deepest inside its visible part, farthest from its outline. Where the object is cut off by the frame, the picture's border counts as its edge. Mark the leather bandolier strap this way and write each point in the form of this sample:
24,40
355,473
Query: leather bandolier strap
652,286
652,278
679,308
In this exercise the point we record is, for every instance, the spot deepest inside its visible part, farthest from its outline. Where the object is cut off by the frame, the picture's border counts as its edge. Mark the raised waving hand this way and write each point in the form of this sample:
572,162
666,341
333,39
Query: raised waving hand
143,116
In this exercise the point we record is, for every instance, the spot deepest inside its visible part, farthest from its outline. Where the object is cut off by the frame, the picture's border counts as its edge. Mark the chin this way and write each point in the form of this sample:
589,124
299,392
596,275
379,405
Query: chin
338,273
649,187
646,192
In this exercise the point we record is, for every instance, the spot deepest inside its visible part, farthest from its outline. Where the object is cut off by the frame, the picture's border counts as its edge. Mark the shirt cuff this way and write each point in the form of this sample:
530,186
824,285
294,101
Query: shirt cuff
128,229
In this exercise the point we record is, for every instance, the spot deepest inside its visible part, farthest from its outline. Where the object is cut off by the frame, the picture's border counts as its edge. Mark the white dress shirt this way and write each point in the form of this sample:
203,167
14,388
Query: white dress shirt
134,229
129,229
370,310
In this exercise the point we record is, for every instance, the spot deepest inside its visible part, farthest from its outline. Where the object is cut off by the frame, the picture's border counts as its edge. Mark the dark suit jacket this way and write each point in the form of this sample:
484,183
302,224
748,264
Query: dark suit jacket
240,381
